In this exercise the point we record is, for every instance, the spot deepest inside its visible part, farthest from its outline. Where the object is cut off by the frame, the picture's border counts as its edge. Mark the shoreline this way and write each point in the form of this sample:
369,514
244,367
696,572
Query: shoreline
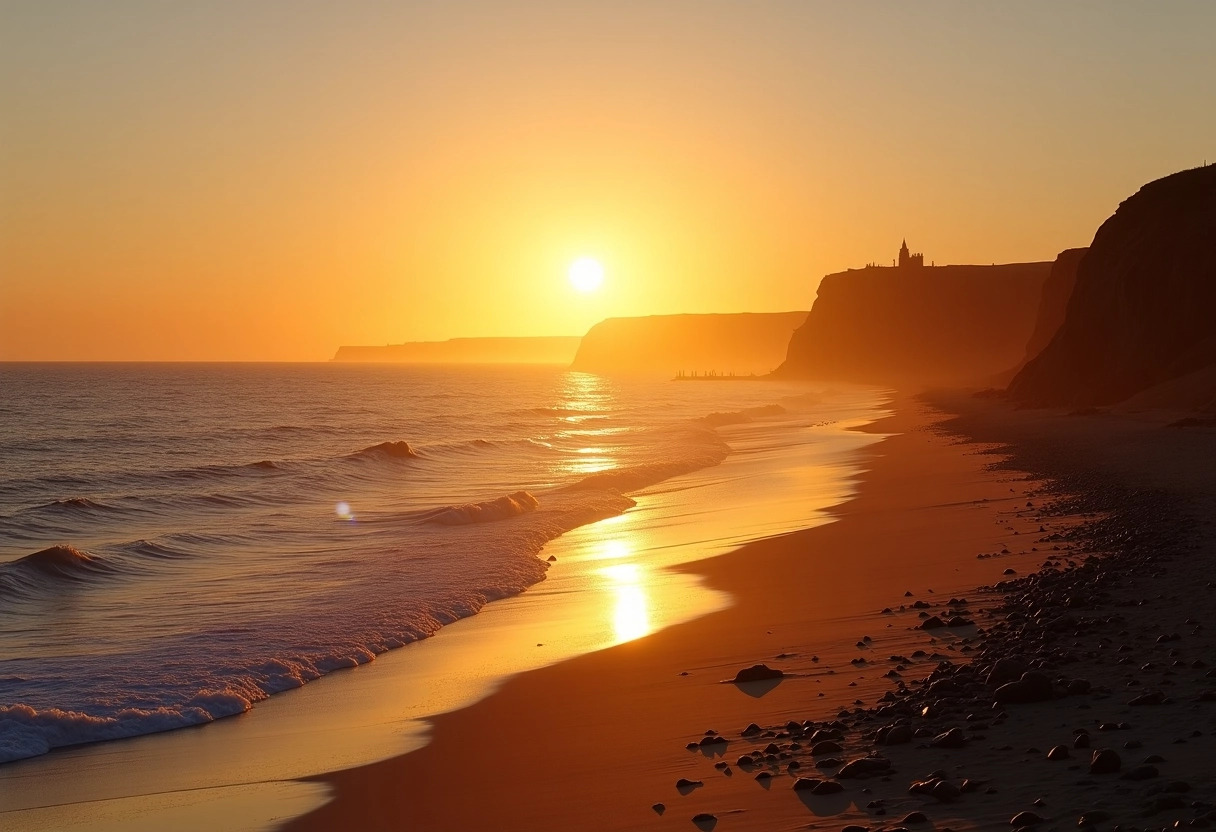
597,741
378,710
552,726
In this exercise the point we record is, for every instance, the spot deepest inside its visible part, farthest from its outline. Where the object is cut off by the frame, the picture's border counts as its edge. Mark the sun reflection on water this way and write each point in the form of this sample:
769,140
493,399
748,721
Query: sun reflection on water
631,610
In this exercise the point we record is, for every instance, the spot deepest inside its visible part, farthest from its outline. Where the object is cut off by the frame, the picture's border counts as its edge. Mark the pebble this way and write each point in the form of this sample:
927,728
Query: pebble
1104,761
1059,752
1025,819
954,738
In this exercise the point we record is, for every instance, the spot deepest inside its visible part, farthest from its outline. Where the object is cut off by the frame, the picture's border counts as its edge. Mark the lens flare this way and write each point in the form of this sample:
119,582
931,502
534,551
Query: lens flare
344,512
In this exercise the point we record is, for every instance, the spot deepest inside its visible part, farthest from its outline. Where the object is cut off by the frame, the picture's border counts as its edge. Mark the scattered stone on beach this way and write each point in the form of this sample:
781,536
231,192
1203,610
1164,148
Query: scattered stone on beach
915,817
1025,819
827,787
1006,670
894,735
1142,772
806,784
1032,687
1104,761
864,767
757,673
659,808
685,784
704,817
1154,697
954,738
1059,752
1092,817
826,747
932,623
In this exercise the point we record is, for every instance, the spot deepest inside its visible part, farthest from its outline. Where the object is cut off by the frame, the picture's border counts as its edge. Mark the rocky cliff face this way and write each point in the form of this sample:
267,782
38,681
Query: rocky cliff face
741,343
1143,311
913,327
1054,302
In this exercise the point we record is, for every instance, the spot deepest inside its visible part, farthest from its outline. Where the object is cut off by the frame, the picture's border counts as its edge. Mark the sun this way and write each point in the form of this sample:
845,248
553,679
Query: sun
586,274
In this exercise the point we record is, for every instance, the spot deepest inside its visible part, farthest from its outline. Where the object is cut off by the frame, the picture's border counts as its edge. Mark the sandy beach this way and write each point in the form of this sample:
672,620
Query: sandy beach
599,741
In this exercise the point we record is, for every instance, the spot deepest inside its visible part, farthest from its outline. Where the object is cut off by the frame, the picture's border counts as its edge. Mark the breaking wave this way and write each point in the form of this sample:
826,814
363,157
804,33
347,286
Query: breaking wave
510,505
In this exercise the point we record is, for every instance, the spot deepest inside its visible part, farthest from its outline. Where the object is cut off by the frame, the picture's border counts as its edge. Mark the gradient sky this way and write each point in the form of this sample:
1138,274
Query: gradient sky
266,181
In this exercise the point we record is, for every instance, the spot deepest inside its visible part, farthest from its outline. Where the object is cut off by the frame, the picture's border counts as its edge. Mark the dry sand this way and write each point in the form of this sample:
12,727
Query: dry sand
596,742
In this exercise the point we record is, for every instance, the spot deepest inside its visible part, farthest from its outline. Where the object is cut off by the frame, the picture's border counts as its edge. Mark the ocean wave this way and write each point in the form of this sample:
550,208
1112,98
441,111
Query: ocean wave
75,506
737,417
510,505
151,549
386,450
46,570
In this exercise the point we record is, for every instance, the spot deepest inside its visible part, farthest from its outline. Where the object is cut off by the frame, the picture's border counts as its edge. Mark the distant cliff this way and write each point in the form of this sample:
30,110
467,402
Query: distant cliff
918,326
1143,311
544,350
740,343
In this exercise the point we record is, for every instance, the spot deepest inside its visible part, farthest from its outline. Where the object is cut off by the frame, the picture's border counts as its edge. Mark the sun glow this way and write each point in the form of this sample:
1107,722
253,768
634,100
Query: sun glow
586,274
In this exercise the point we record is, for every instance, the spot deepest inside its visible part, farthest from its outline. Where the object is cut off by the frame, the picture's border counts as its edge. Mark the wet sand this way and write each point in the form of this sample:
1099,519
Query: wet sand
596,741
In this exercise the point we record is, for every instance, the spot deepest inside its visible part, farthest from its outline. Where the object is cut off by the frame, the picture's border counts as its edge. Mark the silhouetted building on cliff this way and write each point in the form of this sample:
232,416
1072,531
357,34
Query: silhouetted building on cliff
909,260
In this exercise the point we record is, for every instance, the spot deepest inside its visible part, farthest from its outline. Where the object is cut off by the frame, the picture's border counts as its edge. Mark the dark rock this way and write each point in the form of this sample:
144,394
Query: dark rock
1093,816
1059,752
1025,819
946,792
1006,670
826,747
827,787
1080,741
1154,697
806,784
685,783
1104,761
915,817
1032,687
864,767
1140,773
894,735
954,738
751,730
757,673
932,623
659,808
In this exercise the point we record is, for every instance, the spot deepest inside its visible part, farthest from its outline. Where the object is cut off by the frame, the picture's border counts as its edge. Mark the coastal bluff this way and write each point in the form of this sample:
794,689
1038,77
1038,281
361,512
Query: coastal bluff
540,350
1141,314
741,343
916,325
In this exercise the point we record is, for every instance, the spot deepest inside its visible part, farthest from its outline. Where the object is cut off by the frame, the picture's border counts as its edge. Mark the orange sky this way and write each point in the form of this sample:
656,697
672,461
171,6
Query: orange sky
266,181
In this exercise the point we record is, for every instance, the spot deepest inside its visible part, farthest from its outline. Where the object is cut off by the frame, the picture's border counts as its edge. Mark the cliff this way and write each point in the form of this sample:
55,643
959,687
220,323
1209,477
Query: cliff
1142,311
740,343
543,350
918,326
1054,302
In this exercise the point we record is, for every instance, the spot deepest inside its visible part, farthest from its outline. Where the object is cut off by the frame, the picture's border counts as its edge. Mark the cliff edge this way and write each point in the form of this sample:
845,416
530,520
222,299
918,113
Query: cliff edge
920,325
1143,309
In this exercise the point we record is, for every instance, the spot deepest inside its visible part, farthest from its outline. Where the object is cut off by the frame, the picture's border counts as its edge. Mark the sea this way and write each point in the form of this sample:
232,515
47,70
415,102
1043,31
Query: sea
179,542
